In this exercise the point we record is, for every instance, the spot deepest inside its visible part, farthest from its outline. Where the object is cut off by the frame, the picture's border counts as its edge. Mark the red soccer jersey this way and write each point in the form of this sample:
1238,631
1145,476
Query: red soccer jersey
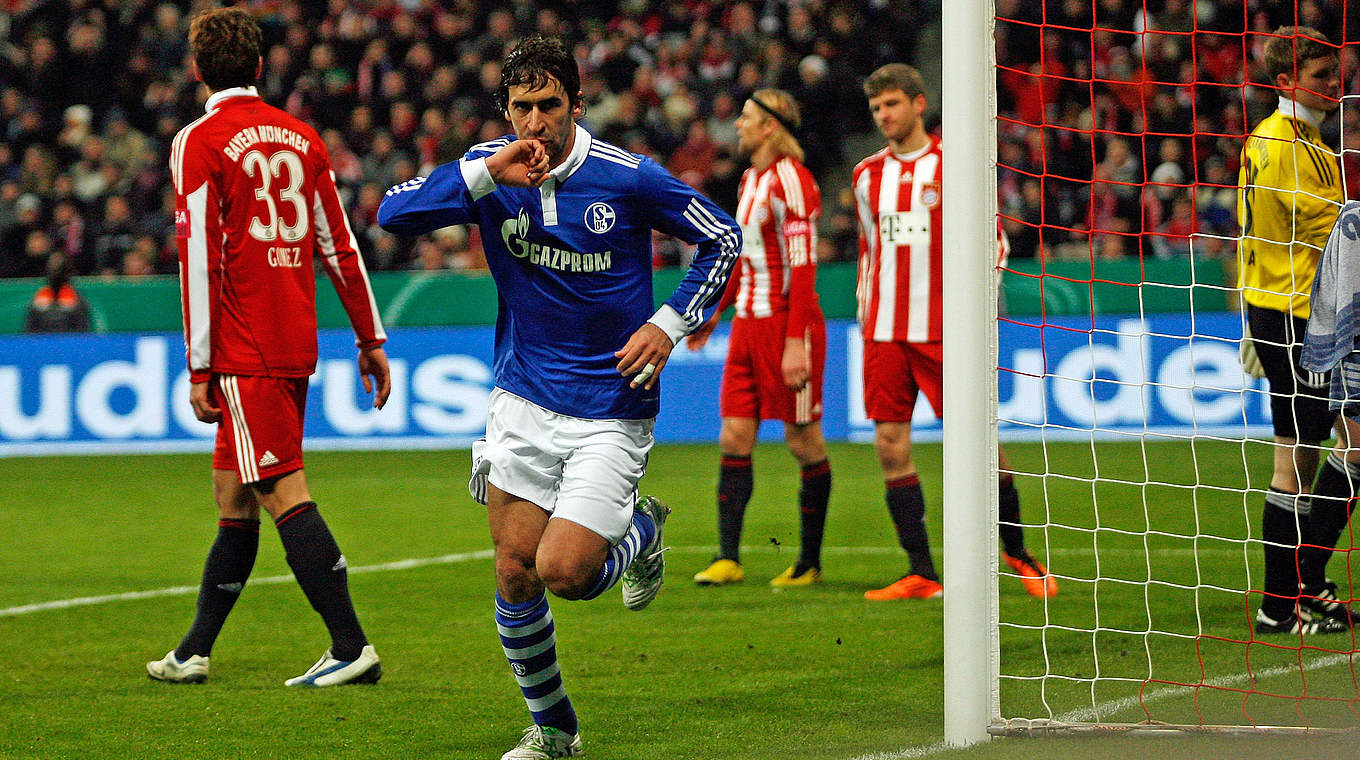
255,199
777,211
900,249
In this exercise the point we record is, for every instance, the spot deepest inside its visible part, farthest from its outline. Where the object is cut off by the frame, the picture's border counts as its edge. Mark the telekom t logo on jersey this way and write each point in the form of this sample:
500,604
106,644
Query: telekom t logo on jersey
904,228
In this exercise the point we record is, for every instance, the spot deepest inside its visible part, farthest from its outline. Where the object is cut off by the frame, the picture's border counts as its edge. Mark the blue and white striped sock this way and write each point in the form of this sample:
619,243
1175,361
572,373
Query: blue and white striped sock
530,643
639,534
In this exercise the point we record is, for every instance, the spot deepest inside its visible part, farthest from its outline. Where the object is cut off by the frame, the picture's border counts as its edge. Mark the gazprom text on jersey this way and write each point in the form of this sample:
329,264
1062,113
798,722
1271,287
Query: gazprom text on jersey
551,257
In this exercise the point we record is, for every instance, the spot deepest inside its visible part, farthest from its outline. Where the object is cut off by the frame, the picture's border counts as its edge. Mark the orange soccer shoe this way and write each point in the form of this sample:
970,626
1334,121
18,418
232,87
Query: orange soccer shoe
906,587
1038,582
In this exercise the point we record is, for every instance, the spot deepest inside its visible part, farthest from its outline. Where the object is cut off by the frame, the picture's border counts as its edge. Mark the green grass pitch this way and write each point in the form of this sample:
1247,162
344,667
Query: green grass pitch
709,674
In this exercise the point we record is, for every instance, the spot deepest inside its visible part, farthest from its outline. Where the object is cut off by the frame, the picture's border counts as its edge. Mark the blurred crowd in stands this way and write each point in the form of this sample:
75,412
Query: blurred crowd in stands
1121,121
93,91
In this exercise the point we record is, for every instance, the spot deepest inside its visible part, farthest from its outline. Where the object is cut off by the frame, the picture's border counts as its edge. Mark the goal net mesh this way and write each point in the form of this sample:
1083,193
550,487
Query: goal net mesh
1141,450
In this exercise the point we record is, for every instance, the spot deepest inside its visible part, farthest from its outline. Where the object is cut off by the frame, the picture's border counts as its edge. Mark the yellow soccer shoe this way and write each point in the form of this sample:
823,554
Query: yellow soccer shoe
720,573
797,576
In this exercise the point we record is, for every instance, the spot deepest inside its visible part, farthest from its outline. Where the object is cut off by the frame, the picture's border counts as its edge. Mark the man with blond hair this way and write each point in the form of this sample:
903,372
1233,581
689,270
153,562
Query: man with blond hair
777,349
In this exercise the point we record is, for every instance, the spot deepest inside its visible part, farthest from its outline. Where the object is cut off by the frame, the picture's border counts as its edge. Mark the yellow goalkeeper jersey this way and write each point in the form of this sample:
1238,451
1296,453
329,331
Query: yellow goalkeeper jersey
1289,194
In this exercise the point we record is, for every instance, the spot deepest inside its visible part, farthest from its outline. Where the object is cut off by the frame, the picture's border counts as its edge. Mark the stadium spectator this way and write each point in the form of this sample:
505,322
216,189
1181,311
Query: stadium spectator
114,235
71,235
140,260
1290,190
269,200
901,296
57,306
18,240
819,97
570,419
777,349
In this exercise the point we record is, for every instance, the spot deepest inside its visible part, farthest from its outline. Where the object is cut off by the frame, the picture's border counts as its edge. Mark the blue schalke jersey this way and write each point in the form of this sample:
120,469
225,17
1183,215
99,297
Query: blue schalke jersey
572,261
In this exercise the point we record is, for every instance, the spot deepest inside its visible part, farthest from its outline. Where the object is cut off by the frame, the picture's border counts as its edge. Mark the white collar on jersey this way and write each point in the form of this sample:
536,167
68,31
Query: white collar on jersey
231,92
579,150
1294,109
915,154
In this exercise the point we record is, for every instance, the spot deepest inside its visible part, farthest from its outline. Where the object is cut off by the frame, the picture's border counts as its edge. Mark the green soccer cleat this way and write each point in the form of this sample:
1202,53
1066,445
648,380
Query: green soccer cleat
545,743
643,578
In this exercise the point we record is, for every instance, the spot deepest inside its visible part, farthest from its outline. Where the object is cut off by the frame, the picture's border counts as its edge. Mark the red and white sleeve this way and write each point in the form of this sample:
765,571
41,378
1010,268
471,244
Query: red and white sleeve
802,205
198,236
336,243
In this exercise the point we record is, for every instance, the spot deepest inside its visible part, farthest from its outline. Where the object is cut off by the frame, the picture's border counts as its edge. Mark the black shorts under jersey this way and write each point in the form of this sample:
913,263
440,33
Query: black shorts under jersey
1299,399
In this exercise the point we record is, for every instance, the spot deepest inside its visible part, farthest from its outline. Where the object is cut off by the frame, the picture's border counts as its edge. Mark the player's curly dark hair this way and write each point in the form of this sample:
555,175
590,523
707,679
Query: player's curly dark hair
535,59
225,43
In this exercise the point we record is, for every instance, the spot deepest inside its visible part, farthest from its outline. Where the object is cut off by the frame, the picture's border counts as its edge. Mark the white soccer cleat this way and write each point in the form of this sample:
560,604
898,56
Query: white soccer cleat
329,671
642,580
171,670
544,743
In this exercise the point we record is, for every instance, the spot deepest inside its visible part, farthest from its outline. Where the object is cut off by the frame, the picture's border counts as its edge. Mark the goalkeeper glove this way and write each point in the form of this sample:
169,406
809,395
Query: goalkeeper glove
1246,354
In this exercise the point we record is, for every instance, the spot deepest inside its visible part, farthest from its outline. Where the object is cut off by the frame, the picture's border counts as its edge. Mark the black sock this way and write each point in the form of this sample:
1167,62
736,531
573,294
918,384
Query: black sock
735,481
1280,533
907,504
1008,514
813,496
230,561
320,570
1330,508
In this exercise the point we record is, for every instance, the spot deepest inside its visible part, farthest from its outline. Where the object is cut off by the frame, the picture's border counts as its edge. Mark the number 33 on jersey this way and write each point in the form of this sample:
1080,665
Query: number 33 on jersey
255,201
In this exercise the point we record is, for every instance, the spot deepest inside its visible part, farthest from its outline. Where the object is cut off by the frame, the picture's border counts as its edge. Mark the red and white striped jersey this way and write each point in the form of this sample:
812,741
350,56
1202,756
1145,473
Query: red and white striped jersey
255,200
777,211
901,261
900,249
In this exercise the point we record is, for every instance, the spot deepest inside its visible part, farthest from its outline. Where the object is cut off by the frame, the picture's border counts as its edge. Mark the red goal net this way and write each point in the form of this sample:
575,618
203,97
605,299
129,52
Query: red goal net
1142,451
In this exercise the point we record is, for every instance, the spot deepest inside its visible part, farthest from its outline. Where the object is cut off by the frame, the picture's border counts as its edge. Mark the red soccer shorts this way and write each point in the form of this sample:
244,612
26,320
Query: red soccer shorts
894,372
753,382
260,435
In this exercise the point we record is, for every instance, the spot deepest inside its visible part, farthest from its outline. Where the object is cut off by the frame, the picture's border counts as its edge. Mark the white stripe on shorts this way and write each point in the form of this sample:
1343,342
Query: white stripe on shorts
245,449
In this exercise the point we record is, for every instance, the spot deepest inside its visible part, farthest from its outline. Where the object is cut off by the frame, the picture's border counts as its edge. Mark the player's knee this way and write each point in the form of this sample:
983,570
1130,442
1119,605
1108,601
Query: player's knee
894,453
807,451
734,443
564,578
515,570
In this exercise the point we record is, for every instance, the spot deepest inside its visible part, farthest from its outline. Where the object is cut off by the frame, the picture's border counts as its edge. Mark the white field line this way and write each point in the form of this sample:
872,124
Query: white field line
925,750
1096,712
402,564
1103,710
449,559
85,601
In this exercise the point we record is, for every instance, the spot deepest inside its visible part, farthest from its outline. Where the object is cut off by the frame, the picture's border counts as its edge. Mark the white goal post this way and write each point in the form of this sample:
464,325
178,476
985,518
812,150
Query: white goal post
971,643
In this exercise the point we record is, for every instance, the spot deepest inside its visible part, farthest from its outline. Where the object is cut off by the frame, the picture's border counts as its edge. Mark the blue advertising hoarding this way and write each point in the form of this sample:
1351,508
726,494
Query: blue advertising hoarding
129,393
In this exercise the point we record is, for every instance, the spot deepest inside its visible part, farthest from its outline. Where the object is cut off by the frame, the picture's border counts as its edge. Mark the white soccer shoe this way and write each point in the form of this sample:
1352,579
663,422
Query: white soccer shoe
642,580
329,671
171,670
545,743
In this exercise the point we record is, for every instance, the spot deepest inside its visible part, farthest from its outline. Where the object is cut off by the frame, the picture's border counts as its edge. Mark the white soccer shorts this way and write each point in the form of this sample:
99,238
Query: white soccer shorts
577,469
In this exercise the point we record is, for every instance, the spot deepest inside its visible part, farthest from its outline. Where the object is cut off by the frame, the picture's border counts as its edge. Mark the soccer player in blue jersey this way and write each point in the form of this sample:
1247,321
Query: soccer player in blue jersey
566,223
